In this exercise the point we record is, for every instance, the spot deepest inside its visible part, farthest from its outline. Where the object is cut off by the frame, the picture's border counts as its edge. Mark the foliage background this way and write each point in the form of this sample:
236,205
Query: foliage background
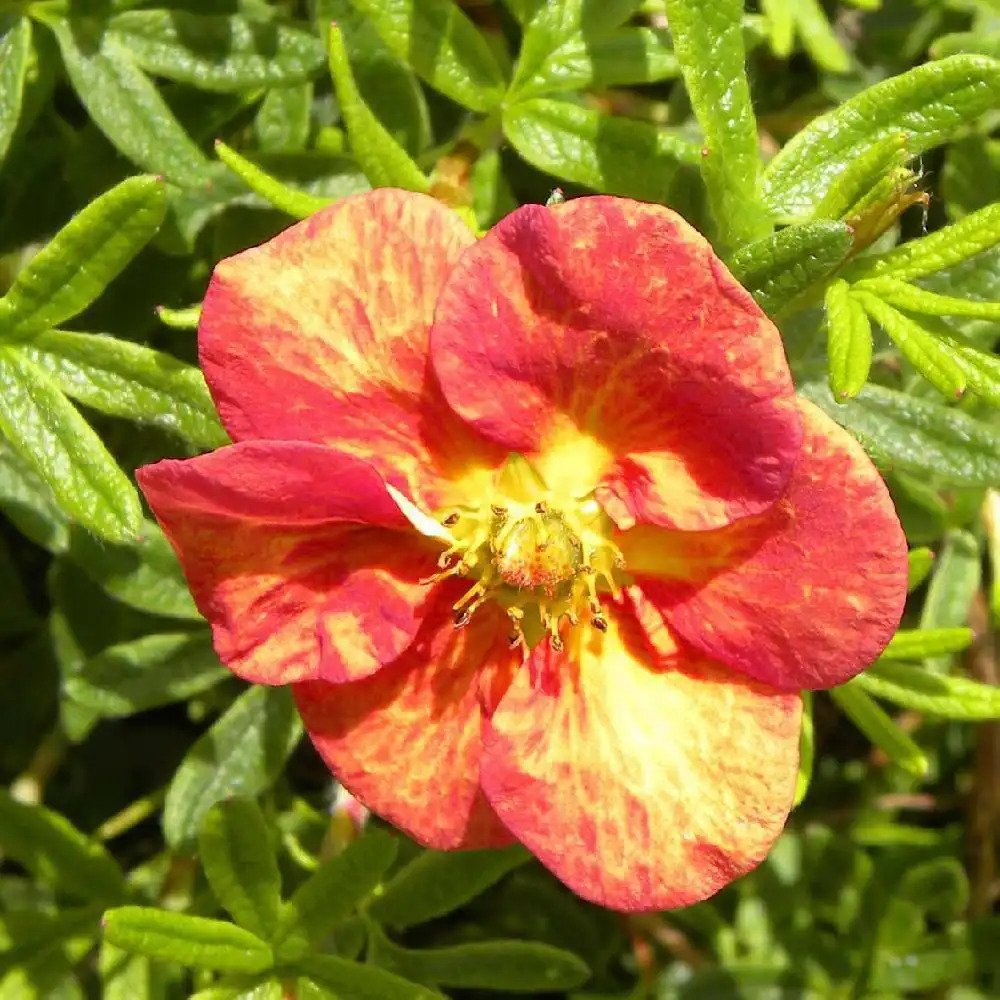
144,782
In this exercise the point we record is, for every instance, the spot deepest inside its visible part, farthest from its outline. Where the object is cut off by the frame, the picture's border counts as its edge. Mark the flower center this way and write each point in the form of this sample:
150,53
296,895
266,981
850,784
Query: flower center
545,559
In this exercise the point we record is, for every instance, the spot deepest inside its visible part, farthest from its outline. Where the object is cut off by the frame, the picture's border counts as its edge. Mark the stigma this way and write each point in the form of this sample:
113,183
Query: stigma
549,561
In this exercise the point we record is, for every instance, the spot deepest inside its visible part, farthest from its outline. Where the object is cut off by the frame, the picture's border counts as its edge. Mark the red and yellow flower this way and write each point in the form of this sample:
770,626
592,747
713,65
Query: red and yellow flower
536,527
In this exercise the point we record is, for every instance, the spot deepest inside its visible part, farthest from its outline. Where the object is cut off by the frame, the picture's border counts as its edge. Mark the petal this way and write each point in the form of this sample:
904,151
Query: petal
407,742
803,597
297,557
642,781
613,346
321,335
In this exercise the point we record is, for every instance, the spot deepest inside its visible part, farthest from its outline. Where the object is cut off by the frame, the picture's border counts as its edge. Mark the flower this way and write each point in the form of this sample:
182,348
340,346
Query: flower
536,527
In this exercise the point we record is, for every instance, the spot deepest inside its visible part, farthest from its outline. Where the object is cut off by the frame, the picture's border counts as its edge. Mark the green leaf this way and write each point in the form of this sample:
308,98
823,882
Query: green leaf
953,587
779,269
125,976
818,37
50,436
913,298
15,49
807,750
215,52
625,57
384,161
56,853
879,727
128,380
241,754
860,175
186,940
849,341
932,358
781,25
708,42
144,574
916,644
917,435
913,687
990,513
298,204
283,119
186,318
333,892
79,262
559,33
920,563
436,883
144,673
941,249
957,42
235,850
28,504
125,105
360,982
442,46
515,966
929,103
41,943
608,154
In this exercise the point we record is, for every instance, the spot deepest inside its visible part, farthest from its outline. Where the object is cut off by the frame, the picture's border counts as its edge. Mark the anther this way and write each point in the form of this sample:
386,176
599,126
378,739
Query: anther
498,511
452,519
515,639
541,507
600,623
556,643
462,618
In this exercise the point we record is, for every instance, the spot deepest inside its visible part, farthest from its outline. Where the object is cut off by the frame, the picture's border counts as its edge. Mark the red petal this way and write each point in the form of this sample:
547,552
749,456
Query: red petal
803,597
321,335
612,345
407,742
642,782
297,557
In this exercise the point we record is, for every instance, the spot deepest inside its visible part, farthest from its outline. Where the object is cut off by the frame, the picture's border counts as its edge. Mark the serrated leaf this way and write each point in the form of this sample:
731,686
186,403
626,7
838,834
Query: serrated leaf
913,687
916,644
125,105
383,160
216,52
79,262
879,727
241,754
360,982
333,892
144,575
929,103
849,341
15,49
235,850
56,853
944,248
904,432
515,966
186,940
298,204
437,883
439,42
128,380
153,670
51,437
931,357
818,37
708,43
780,268
608,154
952,589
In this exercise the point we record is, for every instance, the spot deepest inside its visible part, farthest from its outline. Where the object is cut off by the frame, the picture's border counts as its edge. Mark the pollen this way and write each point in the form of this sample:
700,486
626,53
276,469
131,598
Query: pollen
548,559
